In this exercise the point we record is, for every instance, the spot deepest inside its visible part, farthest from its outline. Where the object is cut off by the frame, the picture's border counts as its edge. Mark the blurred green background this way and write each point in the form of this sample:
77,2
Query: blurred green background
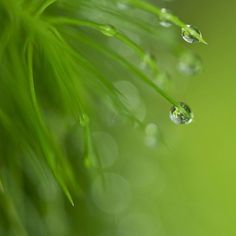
201,195
190,187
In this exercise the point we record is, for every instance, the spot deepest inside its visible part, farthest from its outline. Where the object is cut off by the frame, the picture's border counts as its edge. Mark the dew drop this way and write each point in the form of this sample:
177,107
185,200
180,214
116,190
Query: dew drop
181,114
189,64
165,18
191,34
108,30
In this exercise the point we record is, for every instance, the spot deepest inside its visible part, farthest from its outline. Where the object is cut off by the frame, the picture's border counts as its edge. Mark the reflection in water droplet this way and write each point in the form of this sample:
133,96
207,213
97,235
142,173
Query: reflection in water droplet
106,147
190,34
181,114
111,195
108,30
190,64
164,17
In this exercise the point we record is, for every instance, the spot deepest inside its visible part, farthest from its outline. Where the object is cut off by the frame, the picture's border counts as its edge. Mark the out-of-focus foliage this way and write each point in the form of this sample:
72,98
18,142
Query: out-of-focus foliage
76,77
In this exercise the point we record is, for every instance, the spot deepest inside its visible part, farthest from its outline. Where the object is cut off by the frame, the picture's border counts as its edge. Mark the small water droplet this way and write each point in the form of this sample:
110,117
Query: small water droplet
165,18
181,114
108,30
191,34
189,64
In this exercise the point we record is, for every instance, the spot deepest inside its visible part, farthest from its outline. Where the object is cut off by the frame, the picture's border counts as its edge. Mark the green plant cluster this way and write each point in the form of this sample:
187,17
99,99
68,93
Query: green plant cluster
59,62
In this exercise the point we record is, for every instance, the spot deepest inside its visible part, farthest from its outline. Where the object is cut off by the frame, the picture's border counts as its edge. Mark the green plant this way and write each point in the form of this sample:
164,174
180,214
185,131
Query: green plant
53,77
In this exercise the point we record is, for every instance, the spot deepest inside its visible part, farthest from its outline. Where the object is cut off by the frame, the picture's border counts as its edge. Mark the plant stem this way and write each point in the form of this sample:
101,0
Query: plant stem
123,38
44,6
156,11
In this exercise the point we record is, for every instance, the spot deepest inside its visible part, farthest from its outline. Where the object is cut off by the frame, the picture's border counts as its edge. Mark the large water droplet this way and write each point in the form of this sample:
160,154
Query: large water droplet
191,34
181,114
164,17
108,30
190,64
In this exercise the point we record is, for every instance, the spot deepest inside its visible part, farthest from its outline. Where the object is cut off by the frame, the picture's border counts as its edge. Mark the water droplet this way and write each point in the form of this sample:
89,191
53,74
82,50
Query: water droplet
181,114
189,64
108,30
191,34
165,17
